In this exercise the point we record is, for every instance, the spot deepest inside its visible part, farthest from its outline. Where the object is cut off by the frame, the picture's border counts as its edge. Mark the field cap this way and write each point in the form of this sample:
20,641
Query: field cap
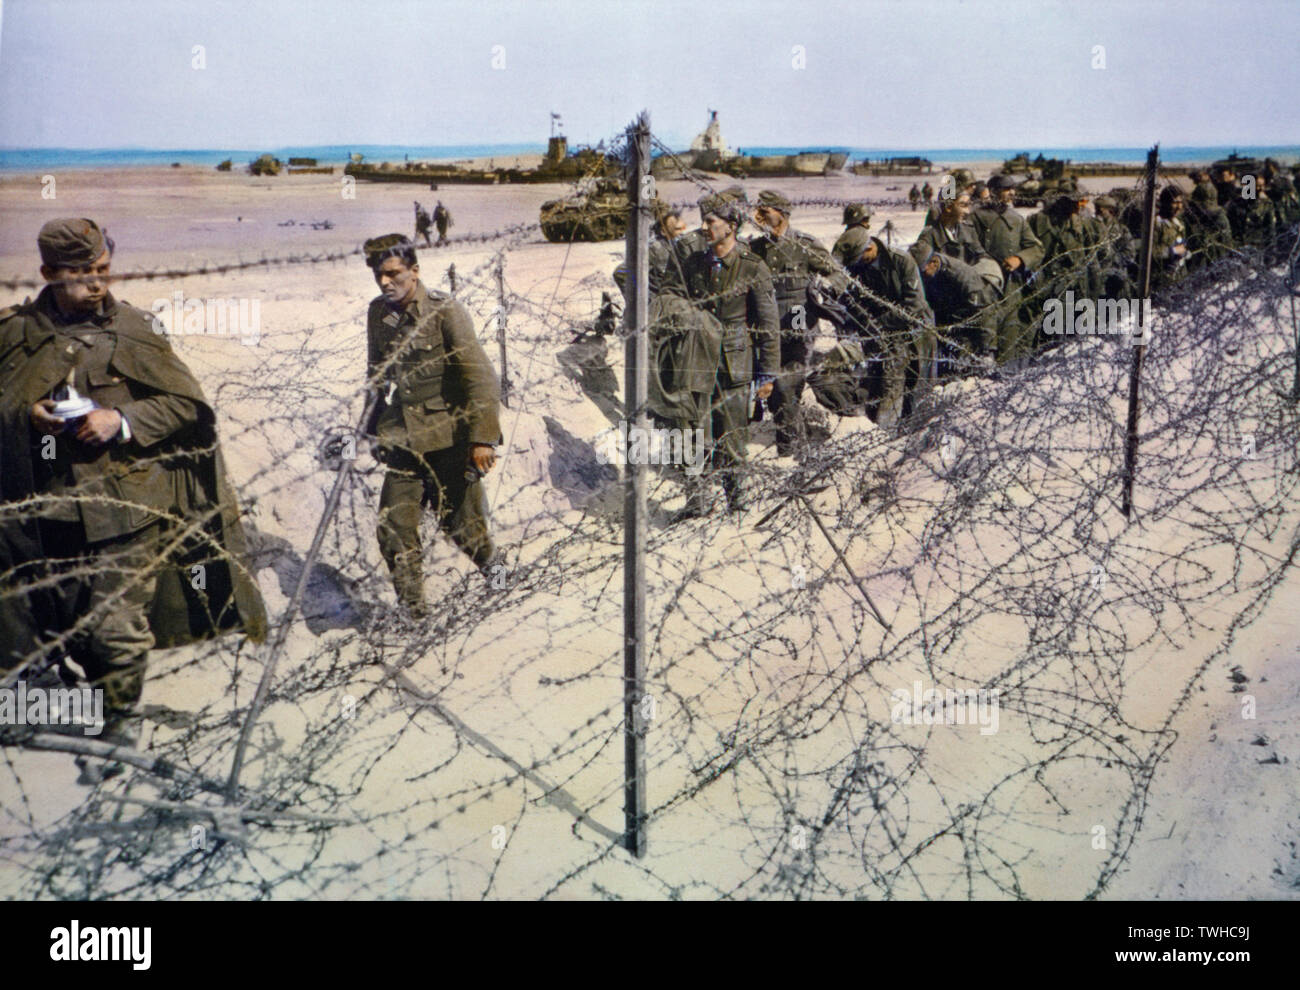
72,242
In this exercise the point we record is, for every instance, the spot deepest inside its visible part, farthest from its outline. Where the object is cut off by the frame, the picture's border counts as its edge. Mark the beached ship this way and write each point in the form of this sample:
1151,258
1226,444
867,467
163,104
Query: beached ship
709,153
559,165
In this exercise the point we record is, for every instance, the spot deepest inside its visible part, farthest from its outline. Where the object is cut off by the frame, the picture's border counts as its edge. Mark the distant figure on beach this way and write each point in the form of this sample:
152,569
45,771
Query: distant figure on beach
914,196
927,193
442,218
422,224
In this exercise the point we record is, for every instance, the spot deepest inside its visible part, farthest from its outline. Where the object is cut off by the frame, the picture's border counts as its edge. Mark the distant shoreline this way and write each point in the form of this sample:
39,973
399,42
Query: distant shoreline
19,161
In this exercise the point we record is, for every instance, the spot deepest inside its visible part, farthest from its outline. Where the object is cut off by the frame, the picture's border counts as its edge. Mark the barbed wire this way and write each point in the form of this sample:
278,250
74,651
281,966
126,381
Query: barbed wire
476,753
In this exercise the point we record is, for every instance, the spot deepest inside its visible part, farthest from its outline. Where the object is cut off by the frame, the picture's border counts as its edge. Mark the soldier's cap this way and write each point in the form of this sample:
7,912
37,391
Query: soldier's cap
1106,202
855,213
387,246
72,242
729,204
963,177
851,244
1202,195
1065,202
1001,181
773,199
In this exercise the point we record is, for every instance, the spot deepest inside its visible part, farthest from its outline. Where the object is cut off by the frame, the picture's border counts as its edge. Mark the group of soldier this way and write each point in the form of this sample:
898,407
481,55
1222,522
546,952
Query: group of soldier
118,529
733,321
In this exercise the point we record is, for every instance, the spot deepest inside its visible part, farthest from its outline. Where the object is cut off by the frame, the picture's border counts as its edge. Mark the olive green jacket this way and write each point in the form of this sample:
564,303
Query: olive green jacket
738,291
437,387
179,474
1006,233
793,259
964,244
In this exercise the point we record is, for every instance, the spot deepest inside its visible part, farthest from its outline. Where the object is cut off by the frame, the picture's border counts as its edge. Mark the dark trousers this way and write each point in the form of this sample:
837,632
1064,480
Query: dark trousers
100,595
789,386
437,480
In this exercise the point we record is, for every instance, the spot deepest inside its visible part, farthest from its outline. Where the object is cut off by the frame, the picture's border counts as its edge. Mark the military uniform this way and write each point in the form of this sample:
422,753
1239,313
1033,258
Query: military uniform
963,243
1254,221
422,223
441,220
737,290
1116,253
1167,265
959,299
890,319
794,259
442,396
1004,232
1070,262
107,511
1209,232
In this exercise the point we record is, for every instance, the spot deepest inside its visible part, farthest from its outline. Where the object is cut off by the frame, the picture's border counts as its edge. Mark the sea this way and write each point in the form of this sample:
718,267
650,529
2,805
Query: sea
47,159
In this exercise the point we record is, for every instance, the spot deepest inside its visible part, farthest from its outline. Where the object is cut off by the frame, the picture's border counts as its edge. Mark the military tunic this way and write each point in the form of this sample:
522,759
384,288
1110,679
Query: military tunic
1005,232
737,289
794,259
894,325
440,395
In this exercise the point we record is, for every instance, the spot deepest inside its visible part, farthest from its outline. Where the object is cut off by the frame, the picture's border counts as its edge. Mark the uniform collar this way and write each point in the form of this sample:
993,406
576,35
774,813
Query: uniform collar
727,260
418,306
50,320
49,308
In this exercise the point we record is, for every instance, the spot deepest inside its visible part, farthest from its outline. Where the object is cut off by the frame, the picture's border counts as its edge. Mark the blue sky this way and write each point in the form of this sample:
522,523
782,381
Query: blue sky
889,73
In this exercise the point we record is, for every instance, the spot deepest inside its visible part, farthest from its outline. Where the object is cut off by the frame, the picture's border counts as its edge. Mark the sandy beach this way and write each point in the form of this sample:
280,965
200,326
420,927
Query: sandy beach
1204,809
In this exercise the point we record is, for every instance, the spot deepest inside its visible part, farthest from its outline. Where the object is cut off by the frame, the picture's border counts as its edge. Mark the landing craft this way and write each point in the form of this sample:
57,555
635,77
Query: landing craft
709,153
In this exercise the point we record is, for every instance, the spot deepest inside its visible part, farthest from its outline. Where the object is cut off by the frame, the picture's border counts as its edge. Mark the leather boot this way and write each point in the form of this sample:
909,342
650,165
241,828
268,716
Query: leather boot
408,582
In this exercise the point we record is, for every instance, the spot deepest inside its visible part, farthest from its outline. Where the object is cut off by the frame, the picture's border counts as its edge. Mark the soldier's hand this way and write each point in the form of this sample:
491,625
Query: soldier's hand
100,426
42,417
932,266
1011,262
764,390
482,457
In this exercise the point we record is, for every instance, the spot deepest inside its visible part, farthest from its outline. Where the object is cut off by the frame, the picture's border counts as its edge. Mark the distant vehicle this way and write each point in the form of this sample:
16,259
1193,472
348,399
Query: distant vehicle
597,212
264,165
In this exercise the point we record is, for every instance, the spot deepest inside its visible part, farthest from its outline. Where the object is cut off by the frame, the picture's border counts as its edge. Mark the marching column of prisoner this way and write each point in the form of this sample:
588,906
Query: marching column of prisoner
733,322
119,531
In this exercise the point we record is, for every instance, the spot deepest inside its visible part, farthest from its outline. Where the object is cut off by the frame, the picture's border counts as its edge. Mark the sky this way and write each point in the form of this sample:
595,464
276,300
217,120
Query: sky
871,73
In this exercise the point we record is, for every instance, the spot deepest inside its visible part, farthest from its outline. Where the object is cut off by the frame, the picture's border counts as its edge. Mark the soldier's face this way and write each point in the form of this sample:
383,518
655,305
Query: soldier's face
955,210
770,220
674,227
716,229
1005,196
396,281
80,290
